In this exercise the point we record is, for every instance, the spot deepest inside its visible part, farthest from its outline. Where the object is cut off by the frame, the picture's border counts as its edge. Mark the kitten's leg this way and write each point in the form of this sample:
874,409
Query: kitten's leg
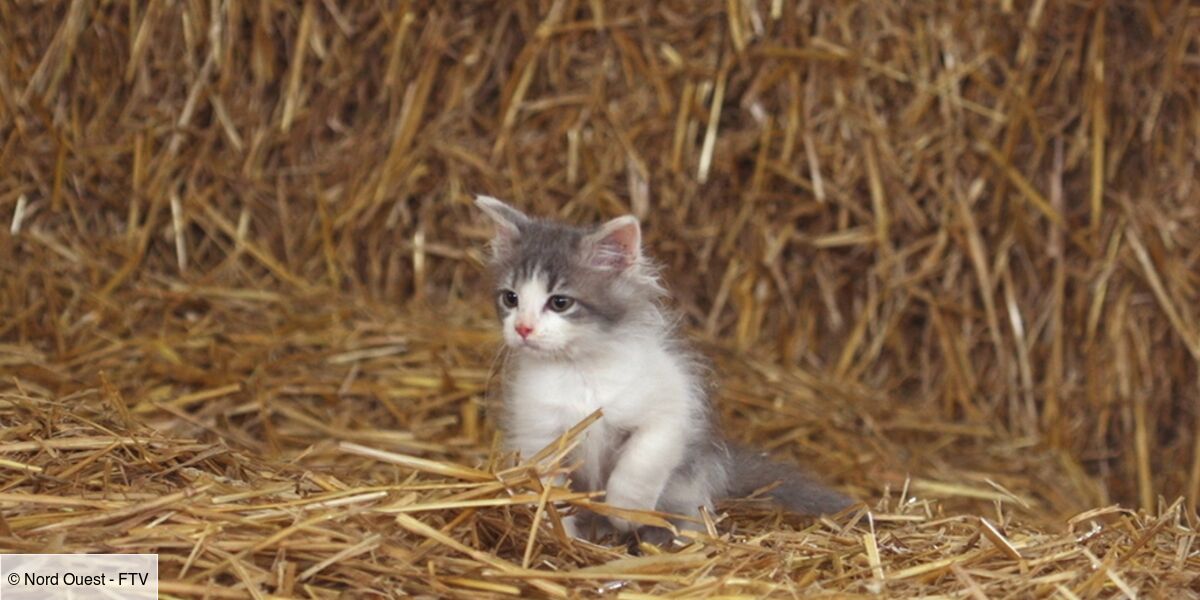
686,493
685,496
587,525
530,445
530,442
583,525
647,460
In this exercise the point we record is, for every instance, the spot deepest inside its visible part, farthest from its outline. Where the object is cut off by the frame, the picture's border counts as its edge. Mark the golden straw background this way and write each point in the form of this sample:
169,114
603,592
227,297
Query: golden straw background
946,255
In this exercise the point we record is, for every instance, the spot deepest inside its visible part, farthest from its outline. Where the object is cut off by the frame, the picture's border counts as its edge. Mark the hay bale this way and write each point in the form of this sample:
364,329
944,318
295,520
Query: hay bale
946,256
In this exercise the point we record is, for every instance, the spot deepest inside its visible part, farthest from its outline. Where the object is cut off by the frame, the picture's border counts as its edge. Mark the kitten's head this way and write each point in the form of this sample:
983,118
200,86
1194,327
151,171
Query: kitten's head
563,289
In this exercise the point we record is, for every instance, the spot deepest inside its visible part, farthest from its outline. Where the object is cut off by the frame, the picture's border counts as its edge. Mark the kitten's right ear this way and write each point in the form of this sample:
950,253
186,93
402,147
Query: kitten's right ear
617,244
508,222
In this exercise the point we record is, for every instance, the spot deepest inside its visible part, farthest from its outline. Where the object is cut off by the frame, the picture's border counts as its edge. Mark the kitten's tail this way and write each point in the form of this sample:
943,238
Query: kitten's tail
796,491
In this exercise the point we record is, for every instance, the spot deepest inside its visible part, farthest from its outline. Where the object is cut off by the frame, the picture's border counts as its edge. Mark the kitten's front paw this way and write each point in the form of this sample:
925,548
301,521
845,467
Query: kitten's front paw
587,526
573,527
619,497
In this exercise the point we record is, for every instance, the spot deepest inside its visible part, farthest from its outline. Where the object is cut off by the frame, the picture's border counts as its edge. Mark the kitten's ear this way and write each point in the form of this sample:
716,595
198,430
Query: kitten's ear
508,222
616,245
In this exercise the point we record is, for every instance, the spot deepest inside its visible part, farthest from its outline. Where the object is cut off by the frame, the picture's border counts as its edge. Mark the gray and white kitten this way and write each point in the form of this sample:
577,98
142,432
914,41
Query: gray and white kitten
581,311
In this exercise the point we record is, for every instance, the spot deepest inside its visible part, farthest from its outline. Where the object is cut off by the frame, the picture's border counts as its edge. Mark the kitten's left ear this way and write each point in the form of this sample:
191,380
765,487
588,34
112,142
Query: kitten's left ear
616,245
508,222
504,215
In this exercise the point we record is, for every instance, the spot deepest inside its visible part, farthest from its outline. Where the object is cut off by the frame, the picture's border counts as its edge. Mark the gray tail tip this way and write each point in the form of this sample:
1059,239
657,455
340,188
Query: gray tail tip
801,493
825,501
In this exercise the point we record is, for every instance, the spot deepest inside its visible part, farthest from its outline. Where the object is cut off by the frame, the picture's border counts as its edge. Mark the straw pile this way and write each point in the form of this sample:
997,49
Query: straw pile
946,257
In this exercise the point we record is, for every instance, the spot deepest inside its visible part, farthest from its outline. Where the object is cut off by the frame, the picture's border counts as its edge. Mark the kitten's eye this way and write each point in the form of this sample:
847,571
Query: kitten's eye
509,298
560,303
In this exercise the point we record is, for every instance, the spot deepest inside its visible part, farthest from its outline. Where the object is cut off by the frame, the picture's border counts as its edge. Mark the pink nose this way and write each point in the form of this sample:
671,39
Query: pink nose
524,330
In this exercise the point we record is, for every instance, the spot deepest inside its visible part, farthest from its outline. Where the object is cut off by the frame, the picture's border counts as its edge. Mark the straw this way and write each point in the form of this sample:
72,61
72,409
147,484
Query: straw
944,259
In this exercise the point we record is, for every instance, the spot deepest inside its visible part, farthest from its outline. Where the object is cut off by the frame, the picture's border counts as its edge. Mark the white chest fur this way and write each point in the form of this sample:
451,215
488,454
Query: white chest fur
634,383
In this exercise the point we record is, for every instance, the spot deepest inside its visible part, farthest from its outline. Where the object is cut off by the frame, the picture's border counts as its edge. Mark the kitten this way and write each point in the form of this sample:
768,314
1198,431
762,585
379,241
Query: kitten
581,310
